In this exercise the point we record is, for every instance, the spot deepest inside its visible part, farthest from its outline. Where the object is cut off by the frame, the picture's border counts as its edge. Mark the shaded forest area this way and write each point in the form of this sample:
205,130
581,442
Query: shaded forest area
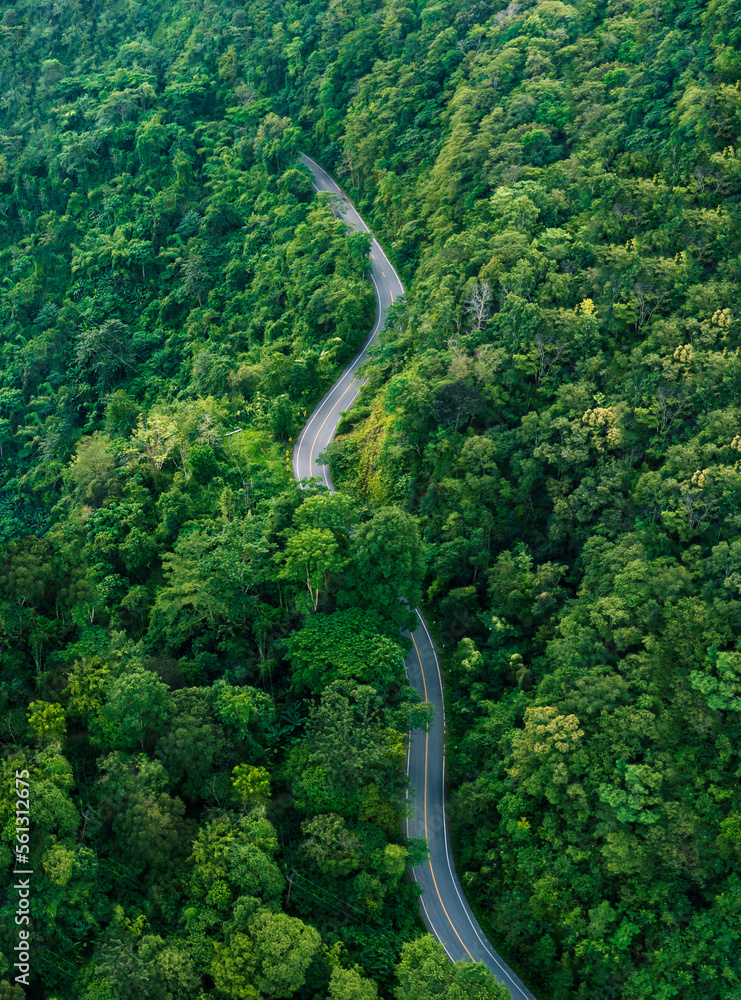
546,452
215,794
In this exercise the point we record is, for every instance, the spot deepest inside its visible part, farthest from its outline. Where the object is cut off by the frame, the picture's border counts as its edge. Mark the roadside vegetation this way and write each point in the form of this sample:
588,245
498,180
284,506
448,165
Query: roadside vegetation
200,663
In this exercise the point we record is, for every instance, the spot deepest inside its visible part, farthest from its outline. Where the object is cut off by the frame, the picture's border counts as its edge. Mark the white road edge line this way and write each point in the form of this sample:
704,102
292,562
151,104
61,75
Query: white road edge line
451,870
350,370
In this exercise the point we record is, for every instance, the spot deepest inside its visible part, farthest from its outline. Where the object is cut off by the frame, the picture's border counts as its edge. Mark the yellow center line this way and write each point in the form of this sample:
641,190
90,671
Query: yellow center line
311,453
434,882
427,739
429,859
383,273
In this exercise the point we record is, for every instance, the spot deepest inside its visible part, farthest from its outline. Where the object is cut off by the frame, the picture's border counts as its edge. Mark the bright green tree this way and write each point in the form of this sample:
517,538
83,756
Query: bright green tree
347,644
387,564
311,555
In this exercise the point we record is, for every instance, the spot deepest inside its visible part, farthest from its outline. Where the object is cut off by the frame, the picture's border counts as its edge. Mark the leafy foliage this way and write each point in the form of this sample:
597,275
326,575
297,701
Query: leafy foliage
198,667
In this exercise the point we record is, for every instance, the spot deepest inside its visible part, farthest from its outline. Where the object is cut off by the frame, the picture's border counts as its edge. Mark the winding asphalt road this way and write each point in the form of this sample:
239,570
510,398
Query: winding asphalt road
322,423
444,907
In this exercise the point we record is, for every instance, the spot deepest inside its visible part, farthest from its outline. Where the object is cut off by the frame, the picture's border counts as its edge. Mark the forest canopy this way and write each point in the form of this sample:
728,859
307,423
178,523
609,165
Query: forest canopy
550,434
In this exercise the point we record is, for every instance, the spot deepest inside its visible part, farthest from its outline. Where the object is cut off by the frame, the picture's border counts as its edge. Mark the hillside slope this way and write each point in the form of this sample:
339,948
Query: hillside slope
555,406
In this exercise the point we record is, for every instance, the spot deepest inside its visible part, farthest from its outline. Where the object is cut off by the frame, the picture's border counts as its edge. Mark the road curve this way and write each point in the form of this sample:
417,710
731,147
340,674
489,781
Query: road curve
445,909
322,424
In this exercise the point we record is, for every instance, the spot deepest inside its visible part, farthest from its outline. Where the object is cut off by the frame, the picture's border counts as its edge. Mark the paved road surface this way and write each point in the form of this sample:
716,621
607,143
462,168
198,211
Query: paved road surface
322,423
444,907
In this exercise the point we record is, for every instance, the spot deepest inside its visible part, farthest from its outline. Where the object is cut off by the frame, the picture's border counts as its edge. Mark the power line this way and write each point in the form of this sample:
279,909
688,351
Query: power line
341,910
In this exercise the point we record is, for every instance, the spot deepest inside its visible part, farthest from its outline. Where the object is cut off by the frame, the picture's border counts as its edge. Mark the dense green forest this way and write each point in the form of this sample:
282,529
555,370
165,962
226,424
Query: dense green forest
200,664
215,795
